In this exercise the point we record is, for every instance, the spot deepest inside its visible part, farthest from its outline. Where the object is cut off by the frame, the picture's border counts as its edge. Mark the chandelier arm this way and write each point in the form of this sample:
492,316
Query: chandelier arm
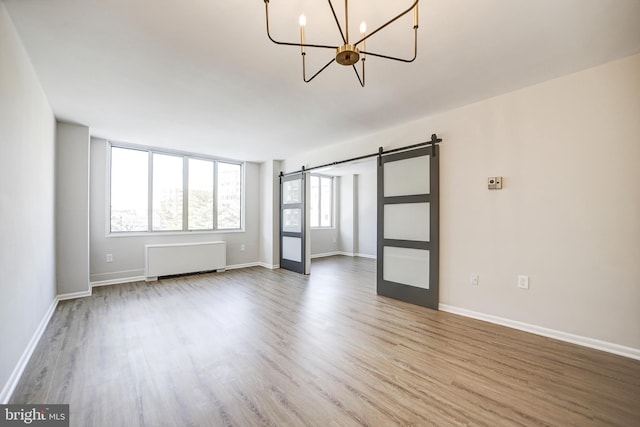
391,57
415,51
361,80
266,6
304,69
344,40
388,23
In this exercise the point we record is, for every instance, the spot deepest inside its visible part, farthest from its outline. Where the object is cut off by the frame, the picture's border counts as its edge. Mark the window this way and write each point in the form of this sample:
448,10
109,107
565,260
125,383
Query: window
167,197
185,193
228,196
321,201
201,195
129,187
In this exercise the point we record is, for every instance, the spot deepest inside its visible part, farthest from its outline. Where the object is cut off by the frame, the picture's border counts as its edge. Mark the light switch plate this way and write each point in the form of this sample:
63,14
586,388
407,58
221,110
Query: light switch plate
523,282
475,279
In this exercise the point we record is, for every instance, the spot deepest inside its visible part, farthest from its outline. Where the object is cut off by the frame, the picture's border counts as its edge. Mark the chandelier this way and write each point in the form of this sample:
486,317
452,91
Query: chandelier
348,53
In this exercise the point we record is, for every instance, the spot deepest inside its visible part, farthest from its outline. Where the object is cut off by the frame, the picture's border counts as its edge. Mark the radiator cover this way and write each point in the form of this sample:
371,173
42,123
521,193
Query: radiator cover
181,258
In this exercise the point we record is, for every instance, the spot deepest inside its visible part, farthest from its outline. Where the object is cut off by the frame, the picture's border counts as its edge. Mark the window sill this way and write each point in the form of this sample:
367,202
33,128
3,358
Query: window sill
171,233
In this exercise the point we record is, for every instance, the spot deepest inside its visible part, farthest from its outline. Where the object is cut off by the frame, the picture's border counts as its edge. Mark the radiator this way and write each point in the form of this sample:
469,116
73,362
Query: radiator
181,258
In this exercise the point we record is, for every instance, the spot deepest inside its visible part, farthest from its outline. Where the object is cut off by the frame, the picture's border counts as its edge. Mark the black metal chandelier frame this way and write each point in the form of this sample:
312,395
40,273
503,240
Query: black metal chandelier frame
348,54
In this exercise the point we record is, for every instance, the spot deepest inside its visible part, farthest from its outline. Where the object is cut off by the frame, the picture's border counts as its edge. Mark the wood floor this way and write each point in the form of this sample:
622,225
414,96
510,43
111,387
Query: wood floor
258,347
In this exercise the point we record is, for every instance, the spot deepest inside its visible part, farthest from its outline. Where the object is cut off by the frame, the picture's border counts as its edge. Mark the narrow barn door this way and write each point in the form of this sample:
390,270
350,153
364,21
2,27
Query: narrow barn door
293,248
407,260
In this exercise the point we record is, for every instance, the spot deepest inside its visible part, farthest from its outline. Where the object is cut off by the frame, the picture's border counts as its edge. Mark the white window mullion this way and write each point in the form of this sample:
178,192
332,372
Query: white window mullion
320,202
215,195
150,192
185,194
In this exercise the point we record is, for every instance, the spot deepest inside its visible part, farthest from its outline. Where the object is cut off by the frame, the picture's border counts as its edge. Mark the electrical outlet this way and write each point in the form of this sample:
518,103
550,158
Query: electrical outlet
475,280
242,247
109,257
523,282
494,183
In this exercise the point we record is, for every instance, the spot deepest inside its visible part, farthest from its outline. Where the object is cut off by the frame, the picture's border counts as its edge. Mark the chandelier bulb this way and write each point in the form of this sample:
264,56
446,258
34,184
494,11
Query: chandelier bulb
363,27
302,20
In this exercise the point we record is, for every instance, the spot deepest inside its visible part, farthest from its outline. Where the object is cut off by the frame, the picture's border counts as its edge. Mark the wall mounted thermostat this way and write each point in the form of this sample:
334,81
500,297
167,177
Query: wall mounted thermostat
494,183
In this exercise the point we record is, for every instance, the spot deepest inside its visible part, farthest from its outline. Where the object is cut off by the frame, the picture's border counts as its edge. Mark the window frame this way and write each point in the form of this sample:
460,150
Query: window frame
332,199
185,189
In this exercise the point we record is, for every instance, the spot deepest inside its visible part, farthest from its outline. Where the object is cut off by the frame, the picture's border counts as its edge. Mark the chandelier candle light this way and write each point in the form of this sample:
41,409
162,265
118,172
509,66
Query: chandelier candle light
348,54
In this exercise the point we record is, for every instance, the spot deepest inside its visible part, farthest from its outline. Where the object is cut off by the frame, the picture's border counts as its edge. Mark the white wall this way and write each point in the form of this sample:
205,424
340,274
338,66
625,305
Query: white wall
568,216
269,214
355,229
27,246
324,241
128,251
367,211
348,214
358,211
72,208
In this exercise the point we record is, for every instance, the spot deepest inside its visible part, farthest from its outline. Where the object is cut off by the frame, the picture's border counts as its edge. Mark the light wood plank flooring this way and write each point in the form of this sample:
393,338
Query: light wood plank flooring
258,347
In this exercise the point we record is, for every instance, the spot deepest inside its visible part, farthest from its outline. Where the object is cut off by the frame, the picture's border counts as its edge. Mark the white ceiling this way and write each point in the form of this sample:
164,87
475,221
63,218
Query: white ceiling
201,75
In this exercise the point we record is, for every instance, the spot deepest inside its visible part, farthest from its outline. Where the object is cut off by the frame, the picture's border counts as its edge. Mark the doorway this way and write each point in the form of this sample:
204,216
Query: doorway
404,209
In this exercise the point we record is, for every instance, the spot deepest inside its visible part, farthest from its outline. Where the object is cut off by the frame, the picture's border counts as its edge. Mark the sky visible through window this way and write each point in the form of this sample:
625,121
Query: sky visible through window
129,186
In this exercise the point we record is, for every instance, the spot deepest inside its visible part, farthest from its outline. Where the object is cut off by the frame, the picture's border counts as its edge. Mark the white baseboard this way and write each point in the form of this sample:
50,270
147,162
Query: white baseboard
326,254
246,265
116,275
351,254
269,266
117,281
143,278
366,256
73,295
14,378
621,350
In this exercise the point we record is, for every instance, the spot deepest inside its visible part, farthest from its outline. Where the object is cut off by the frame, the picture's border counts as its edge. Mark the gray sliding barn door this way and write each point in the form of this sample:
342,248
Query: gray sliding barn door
293,235
407,259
